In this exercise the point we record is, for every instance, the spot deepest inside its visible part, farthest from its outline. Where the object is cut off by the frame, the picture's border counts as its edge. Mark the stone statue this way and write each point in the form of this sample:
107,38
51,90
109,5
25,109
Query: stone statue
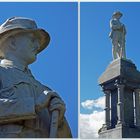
118,36
26,106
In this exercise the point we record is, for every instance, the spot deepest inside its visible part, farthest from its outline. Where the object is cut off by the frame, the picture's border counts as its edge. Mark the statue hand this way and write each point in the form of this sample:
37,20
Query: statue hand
58,104
44,99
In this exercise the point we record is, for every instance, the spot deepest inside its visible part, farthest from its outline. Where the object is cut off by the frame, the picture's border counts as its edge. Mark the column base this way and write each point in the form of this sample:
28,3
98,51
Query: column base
120,124
104,127
120,132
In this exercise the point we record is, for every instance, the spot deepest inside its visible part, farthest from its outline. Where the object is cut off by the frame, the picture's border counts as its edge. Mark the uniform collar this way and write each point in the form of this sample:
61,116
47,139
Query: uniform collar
12,64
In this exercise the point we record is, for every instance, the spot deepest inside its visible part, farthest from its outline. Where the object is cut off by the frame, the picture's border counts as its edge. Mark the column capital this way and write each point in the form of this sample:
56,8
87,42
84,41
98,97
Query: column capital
106,91
120,85
120,81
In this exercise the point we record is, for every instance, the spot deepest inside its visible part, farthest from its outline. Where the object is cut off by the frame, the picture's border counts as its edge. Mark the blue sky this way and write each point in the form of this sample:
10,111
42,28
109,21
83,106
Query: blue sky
96,48
57,65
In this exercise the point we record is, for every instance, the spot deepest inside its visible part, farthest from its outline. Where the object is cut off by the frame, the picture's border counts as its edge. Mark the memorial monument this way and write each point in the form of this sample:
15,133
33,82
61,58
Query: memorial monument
28,109
121,86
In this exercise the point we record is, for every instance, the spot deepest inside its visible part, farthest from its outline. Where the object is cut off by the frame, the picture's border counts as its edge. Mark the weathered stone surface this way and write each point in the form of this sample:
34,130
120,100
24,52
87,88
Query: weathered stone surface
120,68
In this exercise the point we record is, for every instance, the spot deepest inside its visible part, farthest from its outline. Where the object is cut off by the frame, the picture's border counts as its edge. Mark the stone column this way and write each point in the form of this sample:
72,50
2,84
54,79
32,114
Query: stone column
120,105
137,106
107,109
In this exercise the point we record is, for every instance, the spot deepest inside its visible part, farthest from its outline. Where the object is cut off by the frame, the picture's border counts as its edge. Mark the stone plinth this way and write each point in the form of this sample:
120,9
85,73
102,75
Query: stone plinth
121,80
120,68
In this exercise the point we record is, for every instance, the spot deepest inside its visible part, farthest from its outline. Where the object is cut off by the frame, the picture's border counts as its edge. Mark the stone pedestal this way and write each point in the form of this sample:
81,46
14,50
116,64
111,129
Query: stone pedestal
120,132
122,80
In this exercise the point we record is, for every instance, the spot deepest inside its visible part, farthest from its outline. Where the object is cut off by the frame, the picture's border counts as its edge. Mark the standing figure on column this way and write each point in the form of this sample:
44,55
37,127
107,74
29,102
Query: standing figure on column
117,36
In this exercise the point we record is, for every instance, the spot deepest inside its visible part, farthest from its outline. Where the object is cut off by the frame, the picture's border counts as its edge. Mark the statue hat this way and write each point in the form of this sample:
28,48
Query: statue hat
21,24
117,13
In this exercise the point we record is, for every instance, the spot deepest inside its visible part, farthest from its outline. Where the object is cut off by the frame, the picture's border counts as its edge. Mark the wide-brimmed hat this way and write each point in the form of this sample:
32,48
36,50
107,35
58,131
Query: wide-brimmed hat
117,13
21,24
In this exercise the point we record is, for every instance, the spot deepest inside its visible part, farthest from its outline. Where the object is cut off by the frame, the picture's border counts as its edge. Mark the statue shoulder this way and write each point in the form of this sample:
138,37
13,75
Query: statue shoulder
111,21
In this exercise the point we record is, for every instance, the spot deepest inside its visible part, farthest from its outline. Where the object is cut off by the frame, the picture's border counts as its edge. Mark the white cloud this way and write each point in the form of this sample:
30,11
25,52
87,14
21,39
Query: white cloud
98,103
90,124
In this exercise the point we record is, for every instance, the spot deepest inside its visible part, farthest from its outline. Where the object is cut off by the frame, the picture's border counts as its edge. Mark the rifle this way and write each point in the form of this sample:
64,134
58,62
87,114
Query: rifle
54,124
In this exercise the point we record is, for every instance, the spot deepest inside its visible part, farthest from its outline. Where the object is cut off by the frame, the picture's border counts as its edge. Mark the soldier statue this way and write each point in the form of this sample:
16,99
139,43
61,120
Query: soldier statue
26,106
117,36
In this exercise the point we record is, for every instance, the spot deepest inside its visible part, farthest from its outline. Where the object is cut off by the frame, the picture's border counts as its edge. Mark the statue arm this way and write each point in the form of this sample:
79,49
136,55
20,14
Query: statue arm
44,99
52,101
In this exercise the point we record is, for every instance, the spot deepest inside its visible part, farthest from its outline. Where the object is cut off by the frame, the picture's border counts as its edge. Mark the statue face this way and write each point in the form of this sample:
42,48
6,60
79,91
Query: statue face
26,45
118,16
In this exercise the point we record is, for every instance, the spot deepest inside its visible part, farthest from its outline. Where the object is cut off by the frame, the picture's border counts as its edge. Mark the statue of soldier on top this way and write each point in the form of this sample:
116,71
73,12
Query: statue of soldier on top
117,35
26,106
